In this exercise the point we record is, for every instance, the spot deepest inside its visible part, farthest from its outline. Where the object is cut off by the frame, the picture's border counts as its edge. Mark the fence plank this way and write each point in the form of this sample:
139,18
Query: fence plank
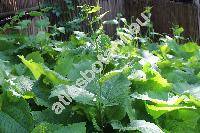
166,13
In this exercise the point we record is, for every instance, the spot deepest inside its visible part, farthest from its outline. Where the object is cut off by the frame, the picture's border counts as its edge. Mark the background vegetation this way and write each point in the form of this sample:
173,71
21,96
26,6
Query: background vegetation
151,83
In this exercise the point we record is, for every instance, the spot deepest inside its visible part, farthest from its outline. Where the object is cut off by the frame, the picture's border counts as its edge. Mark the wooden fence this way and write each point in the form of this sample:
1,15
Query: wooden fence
165,13
9,7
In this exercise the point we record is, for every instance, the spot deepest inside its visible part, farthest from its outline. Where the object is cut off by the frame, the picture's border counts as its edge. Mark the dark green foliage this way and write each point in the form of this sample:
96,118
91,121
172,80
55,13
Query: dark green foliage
152,89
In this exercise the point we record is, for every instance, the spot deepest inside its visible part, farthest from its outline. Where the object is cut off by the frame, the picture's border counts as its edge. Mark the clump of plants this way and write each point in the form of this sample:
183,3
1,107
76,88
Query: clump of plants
147,85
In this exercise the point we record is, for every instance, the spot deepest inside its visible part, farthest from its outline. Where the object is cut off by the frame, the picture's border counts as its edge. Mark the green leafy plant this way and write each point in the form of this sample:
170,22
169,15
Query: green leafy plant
152,88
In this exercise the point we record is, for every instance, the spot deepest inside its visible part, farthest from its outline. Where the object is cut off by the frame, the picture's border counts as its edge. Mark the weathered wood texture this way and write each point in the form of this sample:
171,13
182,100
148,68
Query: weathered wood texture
165,12
114,7
8,7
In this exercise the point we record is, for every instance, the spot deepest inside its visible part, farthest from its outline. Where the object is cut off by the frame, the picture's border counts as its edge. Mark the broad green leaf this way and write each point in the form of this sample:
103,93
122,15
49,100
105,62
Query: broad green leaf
115,88
182,121
35,13
157,111
49,116
42,23
23,24
155,85
19,86
80,95
36,57
64,64
115,91
10,125
177,30
15,115
81,66
175,100
38,69
43,38
140,125
51,128
61,29
42,93
1,101
185,88
115,112
75,127
190,47
95,9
